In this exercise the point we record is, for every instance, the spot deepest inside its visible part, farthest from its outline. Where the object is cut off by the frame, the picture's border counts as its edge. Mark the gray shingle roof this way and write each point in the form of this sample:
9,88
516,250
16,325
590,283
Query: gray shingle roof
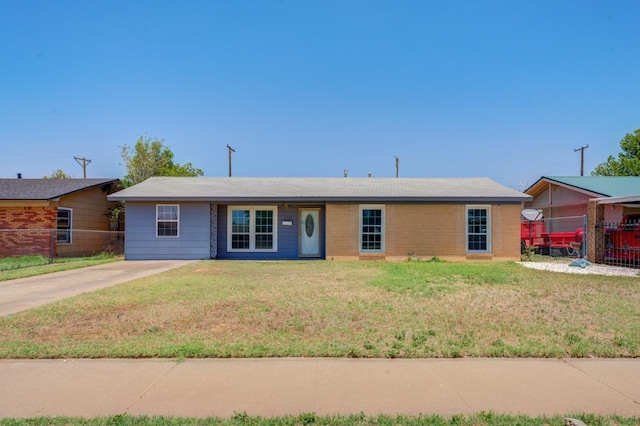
253,189
609,186
45,189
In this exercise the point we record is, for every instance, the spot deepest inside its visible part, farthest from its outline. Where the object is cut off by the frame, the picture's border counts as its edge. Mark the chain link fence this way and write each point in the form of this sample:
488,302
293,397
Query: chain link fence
21,248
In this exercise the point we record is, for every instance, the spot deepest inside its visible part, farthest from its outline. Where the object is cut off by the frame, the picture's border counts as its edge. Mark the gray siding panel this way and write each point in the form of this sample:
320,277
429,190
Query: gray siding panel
141,242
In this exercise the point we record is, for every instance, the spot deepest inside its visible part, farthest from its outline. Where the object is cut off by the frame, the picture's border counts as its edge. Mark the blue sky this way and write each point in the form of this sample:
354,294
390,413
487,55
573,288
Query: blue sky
504,89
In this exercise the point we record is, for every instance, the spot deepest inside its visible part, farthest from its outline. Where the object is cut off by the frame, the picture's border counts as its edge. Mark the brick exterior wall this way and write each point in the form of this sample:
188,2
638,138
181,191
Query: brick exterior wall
26,230
506,235
595,232
27,217
342,231
423,231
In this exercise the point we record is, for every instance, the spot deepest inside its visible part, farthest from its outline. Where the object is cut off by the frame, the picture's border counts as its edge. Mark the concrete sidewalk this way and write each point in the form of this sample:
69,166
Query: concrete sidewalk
280,386
25,293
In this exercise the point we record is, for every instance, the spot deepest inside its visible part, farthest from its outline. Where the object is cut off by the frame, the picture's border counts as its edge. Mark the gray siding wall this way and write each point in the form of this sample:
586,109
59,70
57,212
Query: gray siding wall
141,242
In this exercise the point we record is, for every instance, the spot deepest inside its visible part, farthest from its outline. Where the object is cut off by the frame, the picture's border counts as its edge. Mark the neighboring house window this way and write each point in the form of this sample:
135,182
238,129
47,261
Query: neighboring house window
63,226
478,229
167,220
252,228
372,229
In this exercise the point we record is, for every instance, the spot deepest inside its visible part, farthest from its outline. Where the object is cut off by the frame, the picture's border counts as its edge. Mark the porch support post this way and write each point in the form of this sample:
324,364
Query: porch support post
213,231
595,232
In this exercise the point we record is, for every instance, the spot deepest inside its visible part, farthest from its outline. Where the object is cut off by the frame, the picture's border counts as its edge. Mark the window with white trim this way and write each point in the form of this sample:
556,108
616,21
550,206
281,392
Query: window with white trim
478,229
252,228
64,218
167,220
371,229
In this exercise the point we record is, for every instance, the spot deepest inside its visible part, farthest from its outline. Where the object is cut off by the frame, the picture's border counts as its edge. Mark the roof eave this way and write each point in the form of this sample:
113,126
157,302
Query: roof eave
95,185
293,200
617,200
538,187
52,196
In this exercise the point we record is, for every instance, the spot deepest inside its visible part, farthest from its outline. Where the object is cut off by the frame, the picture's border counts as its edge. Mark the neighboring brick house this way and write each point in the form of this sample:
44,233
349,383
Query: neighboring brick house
325,218
39,216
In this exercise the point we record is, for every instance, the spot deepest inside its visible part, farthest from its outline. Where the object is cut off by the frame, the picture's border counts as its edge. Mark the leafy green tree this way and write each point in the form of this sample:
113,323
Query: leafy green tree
58,174
628,161
150,157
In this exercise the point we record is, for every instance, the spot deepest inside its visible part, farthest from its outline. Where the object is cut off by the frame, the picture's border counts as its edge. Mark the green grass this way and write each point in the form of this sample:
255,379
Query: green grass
338,309
29,266
11,263
481,419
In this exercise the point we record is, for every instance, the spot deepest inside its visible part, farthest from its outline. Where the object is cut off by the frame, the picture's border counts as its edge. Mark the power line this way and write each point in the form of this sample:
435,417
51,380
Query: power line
581,149
230,151
83,162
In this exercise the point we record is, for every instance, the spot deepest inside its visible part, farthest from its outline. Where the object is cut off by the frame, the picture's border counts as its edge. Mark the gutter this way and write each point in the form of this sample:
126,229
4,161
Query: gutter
322,200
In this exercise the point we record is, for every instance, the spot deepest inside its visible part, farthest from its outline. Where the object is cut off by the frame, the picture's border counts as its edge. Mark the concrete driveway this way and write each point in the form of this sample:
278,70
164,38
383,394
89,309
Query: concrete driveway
25,293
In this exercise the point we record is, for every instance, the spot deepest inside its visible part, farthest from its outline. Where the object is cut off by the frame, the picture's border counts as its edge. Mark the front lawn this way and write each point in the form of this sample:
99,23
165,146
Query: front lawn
338,309
12,268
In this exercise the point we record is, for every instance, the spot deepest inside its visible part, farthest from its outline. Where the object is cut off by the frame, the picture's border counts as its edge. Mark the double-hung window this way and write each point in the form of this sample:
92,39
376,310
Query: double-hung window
371,229
478,229
63,225
167,220
252,228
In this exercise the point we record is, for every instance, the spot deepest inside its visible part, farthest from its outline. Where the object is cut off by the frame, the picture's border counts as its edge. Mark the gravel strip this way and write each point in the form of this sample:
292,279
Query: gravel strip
590,269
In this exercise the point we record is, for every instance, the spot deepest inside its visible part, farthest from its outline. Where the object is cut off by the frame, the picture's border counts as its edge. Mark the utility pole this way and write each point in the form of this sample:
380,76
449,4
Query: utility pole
581,149
397,165
230,151
83,162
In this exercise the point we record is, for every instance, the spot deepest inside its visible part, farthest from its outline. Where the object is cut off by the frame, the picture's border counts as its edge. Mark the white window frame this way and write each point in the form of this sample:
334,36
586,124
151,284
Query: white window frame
361,209
176,220
252,229
487,232
68,231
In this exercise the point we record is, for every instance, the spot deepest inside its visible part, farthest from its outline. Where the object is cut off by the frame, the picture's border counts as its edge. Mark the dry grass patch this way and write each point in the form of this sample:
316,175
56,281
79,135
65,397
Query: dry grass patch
409,309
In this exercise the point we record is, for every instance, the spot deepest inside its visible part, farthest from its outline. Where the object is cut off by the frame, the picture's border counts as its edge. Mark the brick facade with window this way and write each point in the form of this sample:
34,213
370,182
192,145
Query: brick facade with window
26,230
423,231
